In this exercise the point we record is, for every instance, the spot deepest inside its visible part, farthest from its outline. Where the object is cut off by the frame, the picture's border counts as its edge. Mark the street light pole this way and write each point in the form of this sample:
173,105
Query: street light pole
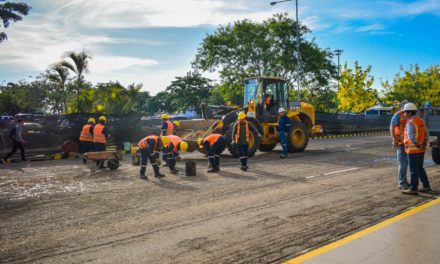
298,66
338,53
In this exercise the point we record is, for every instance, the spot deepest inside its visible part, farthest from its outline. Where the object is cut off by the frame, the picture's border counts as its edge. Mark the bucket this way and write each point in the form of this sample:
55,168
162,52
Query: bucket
190,168
135,159
127,146
133,149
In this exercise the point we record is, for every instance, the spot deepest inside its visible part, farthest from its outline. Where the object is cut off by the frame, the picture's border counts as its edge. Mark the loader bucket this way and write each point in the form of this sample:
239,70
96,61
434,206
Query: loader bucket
191,130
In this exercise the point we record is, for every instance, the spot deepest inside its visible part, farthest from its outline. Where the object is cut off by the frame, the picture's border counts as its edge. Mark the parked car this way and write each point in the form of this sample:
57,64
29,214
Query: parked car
6,117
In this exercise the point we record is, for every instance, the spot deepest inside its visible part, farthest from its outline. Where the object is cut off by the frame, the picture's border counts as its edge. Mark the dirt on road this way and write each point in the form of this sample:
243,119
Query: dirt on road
58,212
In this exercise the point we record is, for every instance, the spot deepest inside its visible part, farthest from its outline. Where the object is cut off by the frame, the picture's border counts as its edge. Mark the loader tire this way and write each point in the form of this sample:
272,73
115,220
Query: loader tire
254,139
298,137
267,147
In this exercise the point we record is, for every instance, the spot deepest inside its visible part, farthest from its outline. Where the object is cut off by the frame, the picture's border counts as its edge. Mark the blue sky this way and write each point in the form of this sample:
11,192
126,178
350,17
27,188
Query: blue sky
151,42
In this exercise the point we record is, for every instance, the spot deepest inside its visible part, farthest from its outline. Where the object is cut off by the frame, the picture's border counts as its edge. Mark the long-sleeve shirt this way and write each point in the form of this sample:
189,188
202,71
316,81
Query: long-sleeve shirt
283,124
411,134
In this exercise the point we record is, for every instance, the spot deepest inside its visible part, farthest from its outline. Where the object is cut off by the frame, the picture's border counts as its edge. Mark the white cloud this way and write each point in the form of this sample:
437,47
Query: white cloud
371,27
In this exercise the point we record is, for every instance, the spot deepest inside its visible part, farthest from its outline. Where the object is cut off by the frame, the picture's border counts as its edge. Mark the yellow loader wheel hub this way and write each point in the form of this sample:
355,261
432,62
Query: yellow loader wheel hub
297,137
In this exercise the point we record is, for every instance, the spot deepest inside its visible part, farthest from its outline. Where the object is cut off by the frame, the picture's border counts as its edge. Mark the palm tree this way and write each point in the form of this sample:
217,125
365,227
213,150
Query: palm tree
79,67
58,73
11,12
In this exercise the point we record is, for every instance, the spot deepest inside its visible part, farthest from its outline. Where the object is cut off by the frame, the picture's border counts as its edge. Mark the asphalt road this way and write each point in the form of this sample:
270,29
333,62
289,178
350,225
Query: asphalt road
58,212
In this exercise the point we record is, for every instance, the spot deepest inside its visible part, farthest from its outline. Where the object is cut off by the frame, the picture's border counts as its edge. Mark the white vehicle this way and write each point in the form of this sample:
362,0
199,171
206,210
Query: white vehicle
6,117
377,111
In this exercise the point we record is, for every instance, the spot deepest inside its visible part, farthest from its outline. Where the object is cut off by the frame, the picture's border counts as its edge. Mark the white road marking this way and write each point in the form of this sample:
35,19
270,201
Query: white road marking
335,172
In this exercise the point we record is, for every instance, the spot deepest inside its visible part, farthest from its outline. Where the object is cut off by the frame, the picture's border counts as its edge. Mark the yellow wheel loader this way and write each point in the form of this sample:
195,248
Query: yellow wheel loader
263,96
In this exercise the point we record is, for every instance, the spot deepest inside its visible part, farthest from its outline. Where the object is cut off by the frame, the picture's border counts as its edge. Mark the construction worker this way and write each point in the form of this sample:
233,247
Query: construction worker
251,109
16,136
214,145
171,145
416,141
397,127
100,135
240,139
149,147
166,130
283,128
86,137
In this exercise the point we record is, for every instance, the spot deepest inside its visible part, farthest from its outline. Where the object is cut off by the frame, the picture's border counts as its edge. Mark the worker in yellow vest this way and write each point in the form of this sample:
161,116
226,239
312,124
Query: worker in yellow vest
416,141
86,137
240,139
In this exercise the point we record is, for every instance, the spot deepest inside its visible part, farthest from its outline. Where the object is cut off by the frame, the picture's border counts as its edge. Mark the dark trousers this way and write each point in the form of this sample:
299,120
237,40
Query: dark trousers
417,171
99,147
145,156
214,152
243,154
86,146
16,145
171,160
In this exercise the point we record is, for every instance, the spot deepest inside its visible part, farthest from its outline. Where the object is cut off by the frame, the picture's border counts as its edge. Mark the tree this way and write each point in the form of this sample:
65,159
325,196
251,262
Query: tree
189,91
355,92
414,85
79,67
247,48
142,102
59,74
14,12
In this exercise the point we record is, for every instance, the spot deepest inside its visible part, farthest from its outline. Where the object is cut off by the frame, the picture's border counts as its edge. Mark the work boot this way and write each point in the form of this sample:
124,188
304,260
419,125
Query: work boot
283,156
215,169
157,173
143,177
174,171
409,191
244,168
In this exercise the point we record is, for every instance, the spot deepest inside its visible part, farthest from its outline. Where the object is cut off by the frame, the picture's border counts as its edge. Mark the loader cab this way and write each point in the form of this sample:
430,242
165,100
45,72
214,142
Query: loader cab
268,95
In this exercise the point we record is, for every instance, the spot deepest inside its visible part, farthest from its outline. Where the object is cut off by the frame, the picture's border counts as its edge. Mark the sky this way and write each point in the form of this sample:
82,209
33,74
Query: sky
152,42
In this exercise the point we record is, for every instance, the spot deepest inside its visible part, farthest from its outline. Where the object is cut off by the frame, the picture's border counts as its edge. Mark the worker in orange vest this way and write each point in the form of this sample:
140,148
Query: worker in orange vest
240,139
214,145
397,127
86,137
416,141
100,135
149,147
171,145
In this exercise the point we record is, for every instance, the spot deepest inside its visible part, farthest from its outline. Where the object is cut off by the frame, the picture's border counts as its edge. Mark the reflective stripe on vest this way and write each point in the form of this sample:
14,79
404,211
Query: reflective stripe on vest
143,144
170,128
212,139
237,133
175,140
85,134
399,129
98,136
419,133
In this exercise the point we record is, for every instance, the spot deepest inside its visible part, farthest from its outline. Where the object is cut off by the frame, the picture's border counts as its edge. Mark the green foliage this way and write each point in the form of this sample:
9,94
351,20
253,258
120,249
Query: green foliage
23,97
189,91
11,11
355,93
324,99
141,105
246,49
216,97
414,85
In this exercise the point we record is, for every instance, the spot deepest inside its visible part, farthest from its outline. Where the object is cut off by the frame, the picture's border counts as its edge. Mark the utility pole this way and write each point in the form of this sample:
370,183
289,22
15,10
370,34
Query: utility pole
338,53
298,66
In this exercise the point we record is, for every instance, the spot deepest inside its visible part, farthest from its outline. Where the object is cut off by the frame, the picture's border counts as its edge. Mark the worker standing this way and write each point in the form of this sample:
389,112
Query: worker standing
149,147
86,137
16,135
416,141
171,145
100,135
214,145
283,128
166,130
240,139
397,127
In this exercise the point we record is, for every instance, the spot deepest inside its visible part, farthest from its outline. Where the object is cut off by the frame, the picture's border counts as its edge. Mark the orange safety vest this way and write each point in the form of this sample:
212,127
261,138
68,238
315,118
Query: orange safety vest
143,144
170,128
98,136
399,129
212,139
175,140
237,133
85,133
419,133
267,101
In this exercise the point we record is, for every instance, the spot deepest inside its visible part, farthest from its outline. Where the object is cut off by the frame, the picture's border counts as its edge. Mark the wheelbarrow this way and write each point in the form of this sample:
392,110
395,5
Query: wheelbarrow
105,158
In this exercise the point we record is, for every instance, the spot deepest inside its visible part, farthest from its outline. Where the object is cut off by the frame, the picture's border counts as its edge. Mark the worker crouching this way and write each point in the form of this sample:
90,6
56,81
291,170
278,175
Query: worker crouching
214,145
171,146
149,147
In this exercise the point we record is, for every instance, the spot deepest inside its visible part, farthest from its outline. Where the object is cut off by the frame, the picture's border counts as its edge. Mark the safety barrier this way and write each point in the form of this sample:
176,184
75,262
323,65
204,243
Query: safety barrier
349,135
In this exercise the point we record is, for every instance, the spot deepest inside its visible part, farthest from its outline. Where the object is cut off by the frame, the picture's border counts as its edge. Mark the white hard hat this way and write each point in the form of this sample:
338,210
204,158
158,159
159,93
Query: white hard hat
410,107
281,110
